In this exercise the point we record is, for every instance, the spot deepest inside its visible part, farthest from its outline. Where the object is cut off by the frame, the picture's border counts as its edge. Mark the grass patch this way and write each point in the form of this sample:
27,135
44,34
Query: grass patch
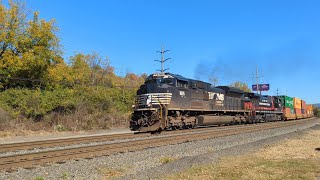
65,176
39,178
249,168
291,159
165,160
108,173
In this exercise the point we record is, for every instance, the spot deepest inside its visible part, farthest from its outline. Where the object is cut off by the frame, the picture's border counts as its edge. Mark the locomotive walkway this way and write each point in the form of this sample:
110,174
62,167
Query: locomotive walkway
173,137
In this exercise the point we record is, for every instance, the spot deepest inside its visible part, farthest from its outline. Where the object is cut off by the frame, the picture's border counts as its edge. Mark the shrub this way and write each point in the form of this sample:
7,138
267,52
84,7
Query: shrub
81,108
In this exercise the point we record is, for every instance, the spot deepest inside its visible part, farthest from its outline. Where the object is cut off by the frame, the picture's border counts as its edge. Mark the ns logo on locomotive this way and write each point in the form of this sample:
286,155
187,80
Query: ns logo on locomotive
168,101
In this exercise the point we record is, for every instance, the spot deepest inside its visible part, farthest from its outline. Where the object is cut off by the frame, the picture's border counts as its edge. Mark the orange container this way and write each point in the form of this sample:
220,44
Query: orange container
303,104
288,113
304,113
298,113
309,110
297,103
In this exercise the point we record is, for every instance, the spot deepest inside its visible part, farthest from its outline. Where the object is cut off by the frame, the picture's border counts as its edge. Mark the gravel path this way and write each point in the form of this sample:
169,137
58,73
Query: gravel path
146,164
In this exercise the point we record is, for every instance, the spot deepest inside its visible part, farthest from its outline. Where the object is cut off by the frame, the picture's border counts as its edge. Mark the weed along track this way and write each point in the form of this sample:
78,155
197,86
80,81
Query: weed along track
39,158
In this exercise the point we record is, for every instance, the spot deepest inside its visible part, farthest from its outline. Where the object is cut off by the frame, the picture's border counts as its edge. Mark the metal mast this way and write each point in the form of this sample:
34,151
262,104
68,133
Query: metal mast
257,81
277,90
163,60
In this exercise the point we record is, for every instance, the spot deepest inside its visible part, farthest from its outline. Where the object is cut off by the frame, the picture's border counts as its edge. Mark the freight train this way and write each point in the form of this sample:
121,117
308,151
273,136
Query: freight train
168,101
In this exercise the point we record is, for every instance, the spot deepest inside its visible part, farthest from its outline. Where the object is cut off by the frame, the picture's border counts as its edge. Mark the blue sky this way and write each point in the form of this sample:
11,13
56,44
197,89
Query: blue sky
227,39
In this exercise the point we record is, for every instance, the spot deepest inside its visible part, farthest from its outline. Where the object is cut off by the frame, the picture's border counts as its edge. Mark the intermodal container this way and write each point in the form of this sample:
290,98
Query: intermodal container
309,107
303,104
308,113
298,113
304,113
287,101
289,113
297,103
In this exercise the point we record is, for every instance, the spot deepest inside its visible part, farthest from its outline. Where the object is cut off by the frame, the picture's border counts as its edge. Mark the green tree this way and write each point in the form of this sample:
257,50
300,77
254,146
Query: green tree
27,47
316,111
241,85
91,70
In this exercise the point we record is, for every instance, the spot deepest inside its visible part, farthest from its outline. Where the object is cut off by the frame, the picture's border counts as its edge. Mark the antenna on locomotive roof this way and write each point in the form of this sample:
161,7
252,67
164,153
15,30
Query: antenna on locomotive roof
163,60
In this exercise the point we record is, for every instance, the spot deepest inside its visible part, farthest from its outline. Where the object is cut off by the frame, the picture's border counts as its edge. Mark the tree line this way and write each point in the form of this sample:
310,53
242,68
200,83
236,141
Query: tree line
37,85
31,56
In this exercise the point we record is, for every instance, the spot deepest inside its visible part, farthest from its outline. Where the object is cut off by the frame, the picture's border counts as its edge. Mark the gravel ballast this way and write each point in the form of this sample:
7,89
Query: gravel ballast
147,164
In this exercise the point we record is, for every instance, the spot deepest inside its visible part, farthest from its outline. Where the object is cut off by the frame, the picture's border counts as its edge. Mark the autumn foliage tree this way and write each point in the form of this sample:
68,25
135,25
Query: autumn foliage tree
241,85
37,85
28,47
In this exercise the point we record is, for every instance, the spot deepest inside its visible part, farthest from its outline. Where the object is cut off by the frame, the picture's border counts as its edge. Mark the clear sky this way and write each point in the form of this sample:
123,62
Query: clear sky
227,39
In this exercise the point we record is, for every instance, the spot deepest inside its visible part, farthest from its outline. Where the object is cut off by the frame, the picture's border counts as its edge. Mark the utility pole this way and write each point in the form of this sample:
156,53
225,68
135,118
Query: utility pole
257,80
277,91
163,60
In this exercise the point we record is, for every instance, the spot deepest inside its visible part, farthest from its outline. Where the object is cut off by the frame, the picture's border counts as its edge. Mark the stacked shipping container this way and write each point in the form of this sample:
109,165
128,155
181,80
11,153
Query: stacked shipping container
288,109
309,110
303,109
297,107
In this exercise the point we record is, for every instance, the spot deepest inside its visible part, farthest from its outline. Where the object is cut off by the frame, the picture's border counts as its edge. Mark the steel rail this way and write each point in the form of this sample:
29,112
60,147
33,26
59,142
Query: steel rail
65,141
38,158
41,144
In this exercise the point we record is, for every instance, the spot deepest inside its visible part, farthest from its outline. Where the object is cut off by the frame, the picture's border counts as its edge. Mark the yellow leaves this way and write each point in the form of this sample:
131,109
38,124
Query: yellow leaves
30,49
27,48
2,14
59,73
10,60
241,85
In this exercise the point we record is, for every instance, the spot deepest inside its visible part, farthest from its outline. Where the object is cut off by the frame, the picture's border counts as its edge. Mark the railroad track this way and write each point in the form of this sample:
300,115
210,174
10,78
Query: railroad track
39,158
65,141
42,144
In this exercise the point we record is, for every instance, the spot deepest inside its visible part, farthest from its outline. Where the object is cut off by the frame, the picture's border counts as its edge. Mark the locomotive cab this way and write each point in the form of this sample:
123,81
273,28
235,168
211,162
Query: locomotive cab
152,101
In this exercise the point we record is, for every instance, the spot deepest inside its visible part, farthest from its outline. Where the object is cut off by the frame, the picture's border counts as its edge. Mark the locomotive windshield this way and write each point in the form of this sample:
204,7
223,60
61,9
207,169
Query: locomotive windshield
159,80
165,81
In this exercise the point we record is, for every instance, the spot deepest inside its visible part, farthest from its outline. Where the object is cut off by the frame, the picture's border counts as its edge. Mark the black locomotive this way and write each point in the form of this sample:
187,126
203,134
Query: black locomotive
168,101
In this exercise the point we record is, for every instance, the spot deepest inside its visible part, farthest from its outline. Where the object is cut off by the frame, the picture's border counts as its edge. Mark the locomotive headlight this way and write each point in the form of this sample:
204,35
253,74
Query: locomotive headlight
148,102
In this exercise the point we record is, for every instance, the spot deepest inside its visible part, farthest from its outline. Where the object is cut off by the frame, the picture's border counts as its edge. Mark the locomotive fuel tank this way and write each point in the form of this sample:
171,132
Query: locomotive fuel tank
205,120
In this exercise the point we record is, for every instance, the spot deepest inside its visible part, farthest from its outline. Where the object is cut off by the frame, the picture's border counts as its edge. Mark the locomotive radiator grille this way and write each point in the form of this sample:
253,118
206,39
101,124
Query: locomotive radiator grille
153,99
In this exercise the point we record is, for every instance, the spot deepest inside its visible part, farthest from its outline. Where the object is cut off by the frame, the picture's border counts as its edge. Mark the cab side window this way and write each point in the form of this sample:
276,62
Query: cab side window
182,84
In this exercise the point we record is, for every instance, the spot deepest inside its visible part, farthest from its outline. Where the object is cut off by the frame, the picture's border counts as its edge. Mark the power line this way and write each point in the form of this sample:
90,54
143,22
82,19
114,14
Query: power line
163,60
